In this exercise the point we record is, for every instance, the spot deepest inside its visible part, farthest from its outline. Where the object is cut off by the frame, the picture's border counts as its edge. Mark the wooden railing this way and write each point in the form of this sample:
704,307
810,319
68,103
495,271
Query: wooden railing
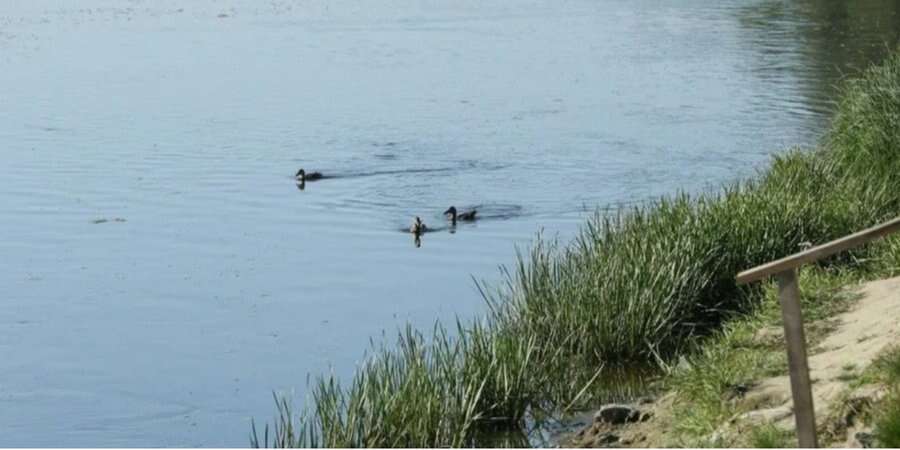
785,270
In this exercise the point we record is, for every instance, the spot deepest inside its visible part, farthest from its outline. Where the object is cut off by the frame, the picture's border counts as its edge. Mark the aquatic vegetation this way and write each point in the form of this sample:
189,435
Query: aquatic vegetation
634,289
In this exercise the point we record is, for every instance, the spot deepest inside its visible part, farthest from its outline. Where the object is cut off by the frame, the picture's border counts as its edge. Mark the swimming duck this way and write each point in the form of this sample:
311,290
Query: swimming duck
468,216
312,176
418,227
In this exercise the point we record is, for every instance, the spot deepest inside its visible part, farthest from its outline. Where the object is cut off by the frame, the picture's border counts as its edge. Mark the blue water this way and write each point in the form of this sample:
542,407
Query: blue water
163,274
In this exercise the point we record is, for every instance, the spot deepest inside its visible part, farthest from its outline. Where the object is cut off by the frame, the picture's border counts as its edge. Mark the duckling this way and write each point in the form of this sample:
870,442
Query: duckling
468,216
312,176
418,227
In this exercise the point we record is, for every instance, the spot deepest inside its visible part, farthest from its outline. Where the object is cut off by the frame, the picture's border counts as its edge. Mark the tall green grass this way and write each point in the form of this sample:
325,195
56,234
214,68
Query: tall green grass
631,291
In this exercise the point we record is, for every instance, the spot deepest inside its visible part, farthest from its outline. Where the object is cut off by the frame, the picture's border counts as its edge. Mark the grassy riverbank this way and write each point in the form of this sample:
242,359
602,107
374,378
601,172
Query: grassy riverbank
733,390
716,384
633,290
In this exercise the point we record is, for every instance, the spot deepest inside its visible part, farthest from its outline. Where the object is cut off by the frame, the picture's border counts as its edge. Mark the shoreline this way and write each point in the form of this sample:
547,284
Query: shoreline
645,286
734,391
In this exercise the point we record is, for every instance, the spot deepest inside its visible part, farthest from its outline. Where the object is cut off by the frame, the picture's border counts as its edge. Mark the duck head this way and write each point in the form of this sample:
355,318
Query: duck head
301,174
451,211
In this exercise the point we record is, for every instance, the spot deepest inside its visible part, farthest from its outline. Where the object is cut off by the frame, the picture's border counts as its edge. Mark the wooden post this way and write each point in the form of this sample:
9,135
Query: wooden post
801,387
789,296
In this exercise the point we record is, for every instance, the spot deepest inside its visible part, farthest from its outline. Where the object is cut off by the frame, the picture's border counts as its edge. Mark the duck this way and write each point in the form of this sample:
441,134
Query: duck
418,227
468,216
312,176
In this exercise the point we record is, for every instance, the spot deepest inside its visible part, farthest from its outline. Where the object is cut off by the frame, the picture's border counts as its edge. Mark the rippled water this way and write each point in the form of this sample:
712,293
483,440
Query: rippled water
164,274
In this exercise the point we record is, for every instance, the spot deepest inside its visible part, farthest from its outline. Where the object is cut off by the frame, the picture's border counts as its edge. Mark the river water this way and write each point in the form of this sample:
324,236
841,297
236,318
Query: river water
162,272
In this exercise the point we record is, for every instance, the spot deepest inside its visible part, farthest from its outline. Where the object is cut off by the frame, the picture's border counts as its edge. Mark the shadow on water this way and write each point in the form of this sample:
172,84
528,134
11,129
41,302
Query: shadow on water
552,428
818,42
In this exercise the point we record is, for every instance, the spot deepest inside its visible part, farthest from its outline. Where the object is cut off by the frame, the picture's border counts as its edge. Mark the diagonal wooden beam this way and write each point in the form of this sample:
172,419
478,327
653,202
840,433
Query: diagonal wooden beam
819,252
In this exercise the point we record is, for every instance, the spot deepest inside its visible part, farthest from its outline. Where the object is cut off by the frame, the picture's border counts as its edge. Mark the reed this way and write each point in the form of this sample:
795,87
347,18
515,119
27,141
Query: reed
633,290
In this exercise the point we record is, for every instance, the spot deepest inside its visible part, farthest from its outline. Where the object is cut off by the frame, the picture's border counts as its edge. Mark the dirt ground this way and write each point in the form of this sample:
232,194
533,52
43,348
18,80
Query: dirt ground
859,335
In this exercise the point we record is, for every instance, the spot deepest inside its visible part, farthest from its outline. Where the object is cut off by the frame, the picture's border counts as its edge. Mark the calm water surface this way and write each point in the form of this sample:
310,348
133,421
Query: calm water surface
221,281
